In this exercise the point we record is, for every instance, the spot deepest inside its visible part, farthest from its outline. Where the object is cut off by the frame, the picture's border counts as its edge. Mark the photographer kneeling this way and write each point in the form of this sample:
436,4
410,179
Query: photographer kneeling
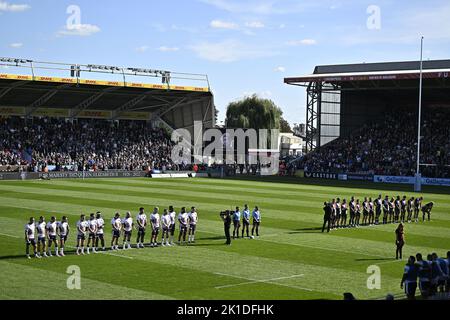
226,217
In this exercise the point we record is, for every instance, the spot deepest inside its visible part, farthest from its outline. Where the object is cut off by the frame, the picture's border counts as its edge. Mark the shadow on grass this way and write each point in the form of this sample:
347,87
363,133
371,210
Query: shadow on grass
210,244
377,259
307,230
342,184
214,238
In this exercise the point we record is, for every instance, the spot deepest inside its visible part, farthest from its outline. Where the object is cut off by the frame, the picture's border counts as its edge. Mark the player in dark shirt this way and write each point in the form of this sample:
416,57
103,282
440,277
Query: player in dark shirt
357,212
410,208
327,211
417,207
378,204
397,206
426,210
403,205
371,212
226,217
391,210
352,204
344,209
365,206
385,209
338,214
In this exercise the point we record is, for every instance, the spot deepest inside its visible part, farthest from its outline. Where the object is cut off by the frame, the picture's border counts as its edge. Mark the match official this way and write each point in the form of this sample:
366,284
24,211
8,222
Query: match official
226,217
326,216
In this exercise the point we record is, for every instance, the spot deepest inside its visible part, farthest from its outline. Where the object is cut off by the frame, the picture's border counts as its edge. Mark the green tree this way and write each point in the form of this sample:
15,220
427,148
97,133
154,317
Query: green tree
253,112
284,125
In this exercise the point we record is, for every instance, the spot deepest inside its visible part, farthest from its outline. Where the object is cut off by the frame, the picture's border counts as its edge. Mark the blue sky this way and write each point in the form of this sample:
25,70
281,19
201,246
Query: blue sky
244,46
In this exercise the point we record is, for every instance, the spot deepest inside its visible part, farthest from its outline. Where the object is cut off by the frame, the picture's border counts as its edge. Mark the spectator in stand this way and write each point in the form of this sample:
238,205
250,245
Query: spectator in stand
389,147
39,143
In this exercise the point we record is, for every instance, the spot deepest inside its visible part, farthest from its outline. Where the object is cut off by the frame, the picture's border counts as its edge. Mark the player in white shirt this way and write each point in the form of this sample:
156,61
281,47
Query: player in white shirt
183,218
155,220
51,236
116,224
62,228
141,221
100,231
127,230
173,216
193,218
92,228
30,230
166,222
82,226
41,237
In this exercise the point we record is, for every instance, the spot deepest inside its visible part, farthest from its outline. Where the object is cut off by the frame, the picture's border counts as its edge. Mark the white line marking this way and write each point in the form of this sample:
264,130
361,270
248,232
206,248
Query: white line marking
269,280
108,253
9,235
255,281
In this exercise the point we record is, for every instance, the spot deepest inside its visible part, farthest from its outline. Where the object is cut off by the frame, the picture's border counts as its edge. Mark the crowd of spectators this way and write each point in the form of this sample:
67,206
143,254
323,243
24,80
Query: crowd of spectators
389,147
84,144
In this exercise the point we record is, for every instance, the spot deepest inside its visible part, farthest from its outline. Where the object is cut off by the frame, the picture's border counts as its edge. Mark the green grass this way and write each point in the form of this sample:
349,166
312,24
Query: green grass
291,259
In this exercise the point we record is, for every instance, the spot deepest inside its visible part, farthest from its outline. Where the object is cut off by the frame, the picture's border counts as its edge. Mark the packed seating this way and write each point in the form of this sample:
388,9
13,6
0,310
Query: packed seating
84,144
389,147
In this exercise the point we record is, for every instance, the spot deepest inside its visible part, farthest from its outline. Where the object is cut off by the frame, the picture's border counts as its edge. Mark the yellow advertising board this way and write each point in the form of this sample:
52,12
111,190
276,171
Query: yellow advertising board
128,115
98,114
12,111
51,112
103,83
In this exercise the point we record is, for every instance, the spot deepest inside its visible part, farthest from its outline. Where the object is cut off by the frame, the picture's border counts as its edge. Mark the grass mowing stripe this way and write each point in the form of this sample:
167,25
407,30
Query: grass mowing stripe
330,243
289,224
16,277
257,281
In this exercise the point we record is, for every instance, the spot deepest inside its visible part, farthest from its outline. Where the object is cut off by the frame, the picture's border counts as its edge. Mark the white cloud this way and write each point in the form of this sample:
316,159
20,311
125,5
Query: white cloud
168,49
83,30
5,6
304,42
282,26
229,51
219,24
279,69
16,45
142,49
255,24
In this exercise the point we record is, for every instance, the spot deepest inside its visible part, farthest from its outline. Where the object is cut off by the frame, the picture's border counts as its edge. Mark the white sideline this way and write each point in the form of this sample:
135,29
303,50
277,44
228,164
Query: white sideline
255,281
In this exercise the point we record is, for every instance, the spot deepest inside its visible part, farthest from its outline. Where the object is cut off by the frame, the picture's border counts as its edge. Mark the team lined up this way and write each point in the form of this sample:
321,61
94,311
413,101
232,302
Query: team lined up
369,212
42,235
432,275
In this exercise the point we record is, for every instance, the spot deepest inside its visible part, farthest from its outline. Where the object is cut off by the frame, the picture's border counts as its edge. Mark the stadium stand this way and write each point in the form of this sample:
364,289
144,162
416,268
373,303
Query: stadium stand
363,118
95,144
389,147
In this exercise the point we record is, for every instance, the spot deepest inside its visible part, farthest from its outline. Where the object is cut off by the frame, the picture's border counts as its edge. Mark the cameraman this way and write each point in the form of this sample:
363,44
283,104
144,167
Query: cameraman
226,217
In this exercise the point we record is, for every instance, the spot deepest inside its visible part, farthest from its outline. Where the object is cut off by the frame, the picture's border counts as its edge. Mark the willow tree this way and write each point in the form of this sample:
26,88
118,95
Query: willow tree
253,112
